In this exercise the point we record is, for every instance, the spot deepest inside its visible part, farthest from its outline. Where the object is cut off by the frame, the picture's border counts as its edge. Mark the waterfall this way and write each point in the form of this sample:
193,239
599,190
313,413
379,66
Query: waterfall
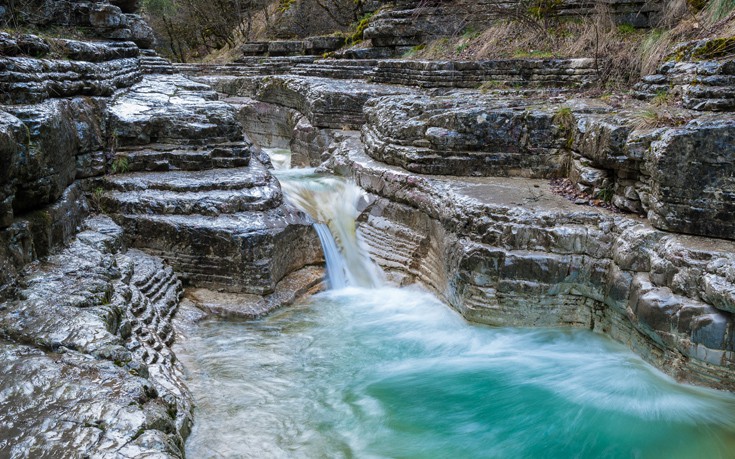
336,266
332,203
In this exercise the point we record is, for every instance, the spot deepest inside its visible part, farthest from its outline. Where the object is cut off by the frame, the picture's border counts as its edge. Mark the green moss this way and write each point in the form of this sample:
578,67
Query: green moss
712,49
626,29
285,5
120,165
564,119
541,9
356,36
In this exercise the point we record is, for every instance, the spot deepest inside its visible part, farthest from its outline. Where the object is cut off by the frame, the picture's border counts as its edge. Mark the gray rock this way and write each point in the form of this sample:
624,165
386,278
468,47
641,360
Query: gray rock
171,109
465,135
692,171
508,252
89,369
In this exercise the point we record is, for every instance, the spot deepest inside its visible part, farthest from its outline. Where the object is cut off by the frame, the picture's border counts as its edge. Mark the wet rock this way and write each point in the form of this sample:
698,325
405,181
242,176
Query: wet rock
326,103
171,109
503,254
701,153
464,135
152,63
76,68
86,355
41,145
99,17
298,284
220,219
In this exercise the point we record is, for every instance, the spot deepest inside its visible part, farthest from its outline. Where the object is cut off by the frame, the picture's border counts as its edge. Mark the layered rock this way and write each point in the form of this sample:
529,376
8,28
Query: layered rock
86,358
533,73
99,17
217,215
75,68
44,148
604,150
701,73
507,251
464,135
412,22
497,73
327,103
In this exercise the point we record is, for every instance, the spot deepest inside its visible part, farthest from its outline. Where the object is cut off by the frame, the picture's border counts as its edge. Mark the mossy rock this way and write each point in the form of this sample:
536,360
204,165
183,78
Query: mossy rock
700,50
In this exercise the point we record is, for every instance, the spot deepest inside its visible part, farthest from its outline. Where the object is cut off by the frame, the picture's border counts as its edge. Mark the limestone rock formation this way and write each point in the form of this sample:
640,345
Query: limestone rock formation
96,376
100,17
508,252
700,73
464,135
218,216
31,74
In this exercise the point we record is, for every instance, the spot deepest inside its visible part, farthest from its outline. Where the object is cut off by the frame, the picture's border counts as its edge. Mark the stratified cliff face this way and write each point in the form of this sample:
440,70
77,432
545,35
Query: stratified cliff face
467,187
122,181
112,20
117,183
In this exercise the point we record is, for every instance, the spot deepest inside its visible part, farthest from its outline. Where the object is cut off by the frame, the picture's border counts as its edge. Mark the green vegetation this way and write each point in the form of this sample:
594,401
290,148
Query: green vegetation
605,194
717,47
413,51
564,119
492,85
719,9
626,29
285,5
120,165
96,199
657,117
662,98
358,29
541,9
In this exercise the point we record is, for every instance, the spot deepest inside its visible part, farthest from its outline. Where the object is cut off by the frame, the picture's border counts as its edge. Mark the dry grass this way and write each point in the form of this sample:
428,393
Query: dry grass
624,53
259,28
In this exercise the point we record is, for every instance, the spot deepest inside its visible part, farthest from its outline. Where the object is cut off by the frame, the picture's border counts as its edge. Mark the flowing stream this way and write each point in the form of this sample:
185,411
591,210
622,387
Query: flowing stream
369,371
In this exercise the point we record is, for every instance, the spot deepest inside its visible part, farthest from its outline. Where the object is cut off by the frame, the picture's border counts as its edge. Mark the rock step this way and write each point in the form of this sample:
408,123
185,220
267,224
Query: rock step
162,276
561,73
404,243
702,84
245,250
211,202
27,80
152,63
159,158
192,181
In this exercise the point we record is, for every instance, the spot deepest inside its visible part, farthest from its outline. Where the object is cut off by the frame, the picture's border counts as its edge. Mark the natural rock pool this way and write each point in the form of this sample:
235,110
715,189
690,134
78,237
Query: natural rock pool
395,373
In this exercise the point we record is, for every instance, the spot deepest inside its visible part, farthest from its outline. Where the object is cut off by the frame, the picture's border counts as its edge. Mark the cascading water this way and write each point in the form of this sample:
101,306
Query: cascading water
332,203
383,372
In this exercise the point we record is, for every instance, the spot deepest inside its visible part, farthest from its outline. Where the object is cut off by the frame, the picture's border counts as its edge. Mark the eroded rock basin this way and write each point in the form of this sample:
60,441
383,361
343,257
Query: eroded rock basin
396,373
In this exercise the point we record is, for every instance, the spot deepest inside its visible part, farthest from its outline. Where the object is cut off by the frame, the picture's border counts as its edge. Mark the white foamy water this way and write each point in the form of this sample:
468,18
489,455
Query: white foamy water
395,373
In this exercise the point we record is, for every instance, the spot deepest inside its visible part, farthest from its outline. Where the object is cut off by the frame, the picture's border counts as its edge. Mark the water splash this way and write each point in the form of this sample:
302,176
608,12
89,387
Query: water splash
333,204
